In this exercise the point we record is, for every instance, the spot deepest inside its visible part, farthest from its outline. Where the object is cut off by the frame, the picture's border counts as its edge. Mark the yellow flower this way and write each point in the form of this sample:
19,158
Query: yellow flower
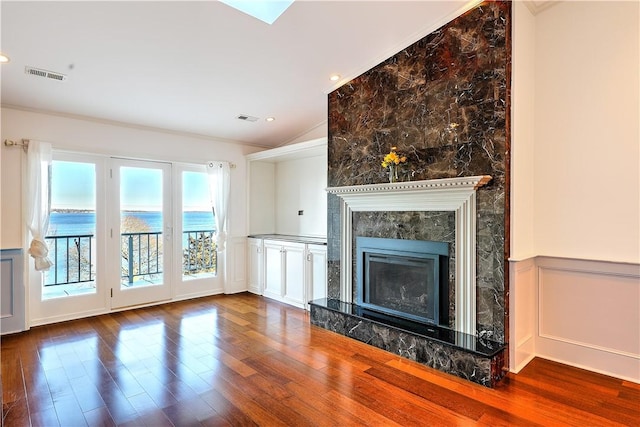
392,159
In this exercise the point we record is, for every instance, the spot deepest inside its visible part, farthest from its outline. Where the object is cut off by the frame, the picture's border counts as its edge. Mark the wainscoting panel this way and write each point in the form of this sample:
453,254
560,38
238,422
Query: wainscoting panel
522,300
12,305
236,277
589,315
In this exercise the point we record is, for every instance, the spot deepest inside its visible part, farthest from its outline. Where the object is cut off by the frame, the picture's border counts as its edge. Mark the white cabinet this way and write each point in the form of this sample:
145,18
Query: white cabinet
294,255
273,268
256,266
316,279
284,271
293,272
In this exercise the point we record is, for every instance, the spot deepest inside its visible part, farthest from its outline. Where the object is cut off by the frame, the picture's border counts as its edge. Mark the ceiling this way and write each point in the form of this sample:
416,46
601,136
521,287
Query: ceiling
193,67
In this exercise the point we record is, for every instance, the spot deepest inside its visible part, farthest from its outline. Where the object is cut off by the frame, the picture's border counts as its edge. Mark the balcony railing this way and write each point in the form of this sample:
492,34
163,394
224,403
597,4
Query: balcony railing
72,259
141,255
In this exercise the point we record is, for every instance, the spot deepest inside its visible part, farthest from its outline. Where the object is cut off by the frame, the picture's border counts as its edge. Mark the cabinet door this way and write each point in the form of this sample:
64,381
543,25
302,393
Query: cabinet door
317,272
256,262
294,282
273,268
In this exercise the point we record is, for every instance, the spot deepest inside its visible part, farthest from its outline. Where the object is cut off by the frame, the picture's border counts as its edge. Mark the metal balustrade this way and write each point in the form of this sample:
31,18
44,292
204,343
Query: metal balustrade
76,255
133,247
141,255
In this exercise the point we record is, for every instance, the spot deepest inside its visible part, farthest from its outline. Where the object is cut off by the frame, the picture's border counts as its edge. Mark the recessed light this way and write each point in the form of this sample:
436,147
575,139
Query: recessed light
270,119
334,77
4,58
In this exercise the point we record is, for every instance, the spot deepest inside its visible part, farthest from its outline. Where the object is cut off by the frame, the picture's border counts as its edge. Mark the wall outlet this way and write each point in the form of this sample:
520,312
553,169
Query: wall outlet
300,212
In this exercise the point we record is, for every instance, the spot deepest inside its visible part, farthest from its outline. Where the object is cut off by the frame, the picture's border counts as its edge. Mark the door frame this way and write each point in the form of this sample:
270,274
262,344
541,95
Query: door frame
143,295
41,311
196,287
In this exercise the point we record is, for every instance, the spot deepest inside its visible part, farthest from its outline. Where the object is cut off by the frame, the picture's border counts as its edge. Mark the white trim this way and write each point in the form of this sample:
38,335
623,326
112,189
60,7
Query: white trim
301,149
589,346
449,194
569,267
523,315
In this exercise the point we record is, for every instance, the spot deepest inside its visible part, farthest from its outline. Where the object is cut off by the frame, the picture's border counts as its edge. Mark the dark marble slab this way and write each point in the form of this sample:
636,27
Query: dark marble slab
444,103
466,356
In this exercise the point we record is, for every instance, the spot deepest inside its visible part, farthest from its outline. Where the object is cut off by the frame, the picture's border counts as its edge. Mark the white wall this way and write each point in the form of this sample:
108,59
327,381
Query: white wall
574,272
11,232
262,196
300,185
522,132
285,180
587,151
522,307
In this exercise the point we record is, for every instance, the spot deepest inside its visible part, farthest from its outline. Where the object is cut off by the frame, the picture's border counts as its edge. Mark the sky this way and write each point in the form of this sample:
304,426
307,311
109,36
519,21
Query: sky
73,187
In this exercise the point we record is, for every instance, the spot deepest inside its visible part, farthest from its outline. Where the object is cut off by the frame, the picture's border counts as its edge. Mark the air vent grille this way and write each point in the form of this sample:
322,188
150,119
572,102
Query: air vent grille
247,118
44,73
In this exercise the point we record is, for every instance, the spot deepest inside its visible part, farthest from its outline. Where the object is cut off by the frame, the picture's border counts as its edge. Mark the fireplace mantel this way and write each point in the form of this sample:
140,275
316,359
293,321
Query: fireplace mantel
449,194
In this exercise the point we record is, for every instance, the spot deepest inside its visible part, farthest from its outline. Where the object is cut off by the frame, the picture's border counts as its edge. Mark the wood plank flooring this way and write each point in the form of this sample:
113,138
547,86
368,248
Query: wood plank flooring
244,360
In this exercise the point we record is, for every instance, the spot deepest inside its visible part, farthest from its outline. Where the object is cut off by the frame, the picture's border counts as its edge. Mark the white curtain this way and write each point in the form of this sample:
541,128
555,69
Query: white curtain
38,201
219,187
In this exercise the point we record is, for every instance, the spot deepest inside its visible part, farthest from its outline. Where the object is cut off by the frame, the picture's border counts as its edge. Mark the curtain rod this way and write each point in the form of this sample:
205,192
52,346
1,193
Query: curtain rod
24,143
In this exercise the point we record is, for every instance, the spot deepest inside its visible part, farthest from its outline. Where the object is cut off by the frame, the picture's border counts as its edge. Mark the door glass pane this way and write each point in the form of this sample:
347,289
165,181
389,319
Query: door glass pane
71,236
198,229
141,225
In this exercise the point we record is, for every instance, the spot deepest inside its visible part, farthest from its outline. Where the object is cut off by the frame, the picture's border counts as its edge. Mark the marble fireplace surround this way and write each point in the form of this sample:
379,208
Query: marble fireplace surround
448,194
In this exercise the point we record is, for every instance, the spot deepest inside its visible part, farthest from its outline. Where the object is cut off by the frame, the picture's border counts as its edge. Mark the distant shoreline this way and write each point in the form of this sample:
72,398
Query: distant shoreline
72,211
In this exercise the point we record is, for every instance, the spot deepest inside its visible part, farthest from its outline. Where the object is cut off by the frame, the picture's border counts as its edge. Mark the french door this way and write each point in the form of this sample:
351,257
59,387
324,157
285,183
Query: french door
76,284
140,232
123,233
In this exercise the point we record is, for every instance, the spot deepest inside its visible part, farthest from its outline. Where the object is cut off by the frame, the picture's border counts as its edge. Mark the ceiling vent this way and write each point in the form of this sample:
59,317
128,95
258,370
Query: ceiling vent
44,73
247,118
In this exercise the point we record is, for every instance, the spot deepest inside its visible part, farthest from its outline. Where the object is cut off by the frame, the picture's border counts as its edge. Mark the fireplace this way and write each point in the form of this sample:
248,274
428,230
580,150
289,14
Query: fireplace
459,350
403,278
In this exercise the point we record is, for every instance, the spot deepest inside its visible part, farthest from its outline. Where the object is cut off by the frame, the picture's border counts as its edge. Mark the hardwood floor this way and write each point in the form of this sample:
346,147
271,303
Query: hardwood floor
246,360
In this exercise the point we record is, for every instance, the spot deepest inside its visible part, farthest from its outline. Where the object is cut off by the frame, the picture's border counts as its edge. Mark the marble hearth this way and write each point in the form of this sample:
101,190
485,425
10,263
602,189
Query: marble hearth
456,353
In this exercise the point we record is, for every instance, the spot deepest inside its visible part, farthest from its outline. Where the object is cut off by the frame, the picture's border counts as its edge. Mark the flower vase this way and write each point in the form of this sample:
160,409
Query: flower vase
393,173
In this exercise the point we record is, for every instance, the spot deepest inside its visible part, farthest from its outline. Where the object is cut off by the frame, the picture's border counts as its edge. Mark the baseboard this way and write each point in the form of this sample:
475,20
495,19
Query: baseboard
68,317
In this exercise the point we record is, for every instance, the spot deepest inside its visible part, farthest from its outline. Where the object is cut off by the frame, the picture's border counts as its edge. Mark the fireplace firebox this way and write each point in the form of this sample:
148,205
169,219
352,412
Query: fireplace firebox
403,278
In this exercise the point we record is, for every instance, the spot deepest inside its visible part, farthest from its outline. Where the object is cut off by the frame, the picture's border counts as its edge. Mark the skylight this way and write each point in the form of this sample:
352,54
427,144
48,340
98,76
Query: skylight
265,10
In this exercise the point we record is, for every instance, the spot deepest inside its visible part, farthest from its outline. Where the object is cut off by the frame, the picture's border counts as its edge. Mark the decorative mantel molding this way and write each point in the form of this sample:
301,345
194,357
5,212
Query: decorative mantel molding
449,194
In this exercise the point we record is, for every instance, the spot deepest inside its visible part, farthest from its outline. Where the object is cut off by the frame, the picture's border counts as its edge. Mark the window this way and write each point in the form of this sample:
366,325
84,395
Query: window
199,256
71,236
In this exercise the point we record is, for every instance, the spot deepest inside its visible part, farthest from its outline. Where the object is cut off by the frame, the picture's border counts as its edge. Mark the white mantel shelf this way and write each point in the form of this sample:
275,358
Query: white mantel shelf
449,194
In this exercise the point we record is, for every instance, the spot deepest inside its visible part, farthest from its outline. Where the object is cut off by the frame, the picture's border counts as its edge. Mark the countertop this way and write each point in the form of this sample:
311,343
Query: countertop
291,238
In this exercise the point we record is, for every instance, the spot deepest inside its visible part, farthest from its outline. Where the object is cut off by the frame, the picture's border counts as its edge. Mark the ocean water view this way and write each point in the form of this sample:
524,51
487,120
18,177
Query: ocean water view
83,223
75,223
